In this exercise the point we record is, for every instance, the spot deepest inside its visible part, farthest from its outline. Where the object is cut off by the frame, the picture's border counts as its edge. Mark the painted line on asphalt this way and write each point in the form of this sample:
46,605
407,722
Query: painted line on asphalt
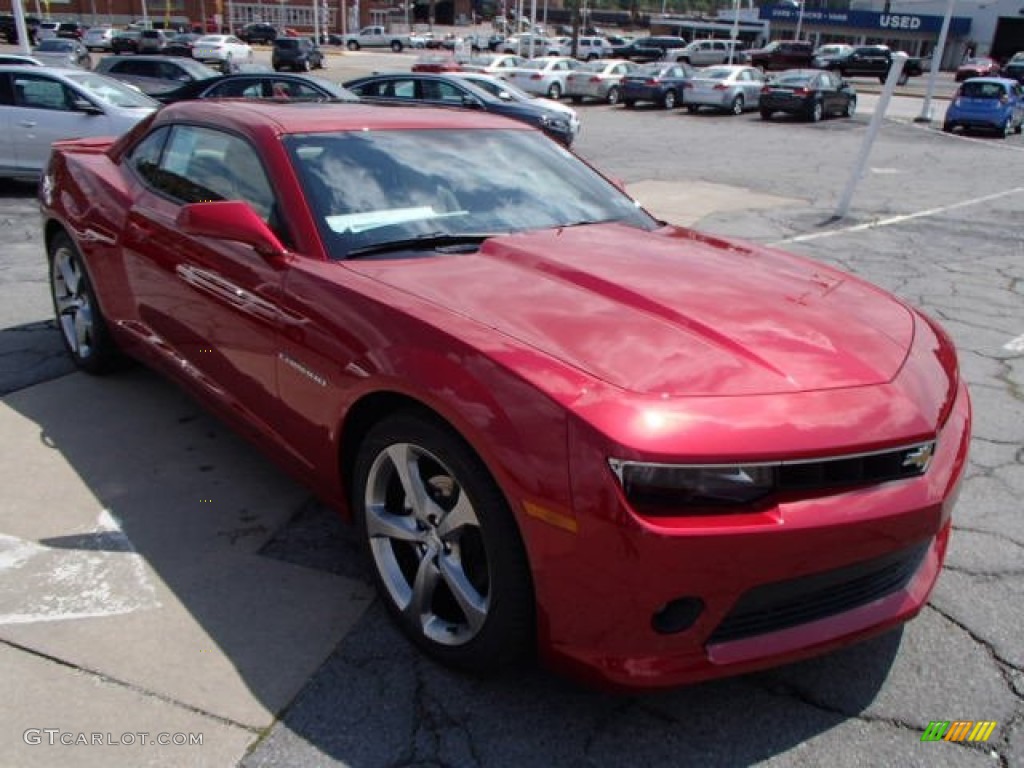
1015,345
898,219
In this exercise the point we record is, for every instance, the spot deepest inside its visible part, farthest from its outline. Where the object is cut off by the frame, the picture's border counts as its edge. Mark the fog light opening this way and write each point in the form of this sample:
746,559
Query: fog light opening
677,615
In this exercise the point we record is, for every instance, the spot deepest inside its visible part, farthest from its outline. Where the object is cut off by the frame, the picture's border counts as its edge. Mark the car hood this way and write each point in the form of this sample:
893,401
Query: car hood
671,312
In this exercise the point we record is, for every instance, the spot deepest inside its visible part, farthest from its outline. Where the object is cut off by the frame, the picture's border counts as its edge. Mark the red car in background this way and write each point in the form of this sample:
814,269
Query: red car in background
979,67
436,62
655,455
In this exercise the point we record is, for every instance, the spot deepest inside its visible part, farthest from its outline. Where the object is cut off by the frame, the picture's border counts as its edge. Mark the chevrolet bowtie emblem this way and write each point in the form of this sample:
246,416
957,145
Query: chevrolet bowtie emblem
919,457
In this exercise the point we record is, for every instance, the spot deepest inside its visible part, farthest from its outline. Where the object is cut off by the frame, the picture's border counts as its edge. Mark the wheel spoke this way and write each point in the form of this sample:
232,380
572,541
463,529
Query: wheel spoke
457,518
69,274
382,524
423,587
404,459
472,603
83,329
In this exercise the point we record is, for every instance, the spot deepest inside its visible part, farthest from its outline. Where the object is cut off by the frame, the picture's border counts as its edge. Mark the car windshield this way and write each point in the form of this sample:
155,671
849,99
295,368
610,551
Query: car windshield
112,92
795,78
974,89
55,45
368,189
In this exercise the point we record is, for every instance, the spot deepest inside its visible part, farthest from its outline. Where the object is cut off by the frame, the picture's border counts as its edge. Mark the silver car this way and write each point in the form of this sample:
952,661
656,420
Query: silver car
62,52
98,38
729,88
600,79
54,104
544,76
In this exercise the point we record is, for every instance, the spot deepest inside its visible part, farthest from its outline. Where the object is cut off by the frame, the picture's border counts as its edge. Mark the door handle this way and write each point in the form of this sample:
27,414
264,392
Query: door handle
27,123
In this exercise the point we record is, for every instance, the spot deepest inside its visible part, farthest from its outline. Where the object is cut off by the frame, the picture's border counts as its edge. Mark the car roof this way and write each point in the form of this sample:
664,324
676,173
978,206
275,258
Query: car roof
255,118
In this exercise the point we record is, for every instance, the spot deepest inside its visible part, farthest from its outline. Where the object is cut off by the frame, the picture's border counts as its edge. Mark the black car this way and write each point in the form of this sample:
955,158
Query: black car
181,44
647,48
154,74
810,93
258,32
259,85
125,41
448,91
297,53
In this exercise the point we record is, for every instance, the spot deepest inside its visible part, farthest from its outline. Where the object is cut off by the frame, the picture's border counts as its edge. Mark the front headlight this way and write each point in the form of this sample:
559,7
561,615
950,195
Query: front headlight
672,490
557,123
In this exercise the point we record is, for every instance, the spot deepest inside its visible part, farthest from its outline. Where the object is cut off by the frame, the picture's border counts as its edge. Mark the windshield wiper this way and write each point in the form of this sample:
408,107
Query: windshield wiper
443,241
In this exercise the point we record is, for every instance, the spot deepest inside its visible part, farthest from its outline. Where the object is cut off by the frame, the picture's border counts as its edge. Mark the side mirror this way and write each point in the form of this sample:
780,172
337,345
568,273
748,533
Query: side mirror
230,220
86,106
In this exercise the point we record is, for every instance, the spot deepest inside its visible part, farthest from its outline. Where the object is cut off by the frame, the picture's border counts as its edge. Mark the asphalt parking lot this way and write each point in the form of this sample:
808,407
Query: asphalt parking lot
156,574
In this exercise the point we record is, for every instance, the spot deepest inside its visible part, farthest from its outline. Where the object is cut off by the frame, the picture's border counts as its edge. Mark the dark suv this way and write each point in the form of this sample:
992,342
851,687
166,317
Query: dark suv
298,53
258,32
783,54
647,48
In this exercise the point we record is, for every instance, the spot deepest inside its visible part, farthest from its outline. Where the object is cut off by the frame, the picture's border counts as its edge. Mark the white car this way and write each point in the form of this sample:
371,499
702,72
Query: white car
47,29
600,79
497,64
544,76
509,92
98,38
226,50
52,104
521,45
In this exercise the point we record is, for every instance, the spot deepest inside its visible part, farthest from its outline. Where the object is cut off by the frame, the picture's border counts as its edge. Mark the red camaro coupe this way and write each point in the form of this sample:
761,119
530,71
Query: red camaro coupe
653,455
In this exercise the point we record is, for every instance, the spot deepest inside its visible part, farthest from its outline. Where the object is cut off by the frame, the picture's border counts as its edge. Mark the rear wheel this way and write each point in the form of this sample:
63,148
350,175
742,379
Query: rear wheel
737,105
1008,128
629,103
79,319
851,107
352,45
816,112
555,91
396,46
613,95
445,549
668,101
693,109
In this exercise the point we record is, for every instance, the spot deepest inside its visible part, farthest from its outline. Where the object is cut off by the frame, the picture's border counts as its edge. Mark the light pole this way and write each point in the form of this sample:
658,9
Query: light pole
937,53
799,20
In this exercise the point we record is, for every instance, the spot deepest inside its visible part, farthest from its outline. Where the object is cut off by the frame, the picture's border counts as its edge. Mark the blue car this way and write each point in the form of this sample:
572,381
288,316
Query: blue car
661,83
986,104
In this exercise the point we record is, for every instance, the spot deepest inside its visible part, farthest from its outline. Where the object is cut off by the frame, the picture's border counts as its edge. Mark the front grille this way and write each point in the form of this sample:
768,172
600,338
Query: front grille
772,607
865,469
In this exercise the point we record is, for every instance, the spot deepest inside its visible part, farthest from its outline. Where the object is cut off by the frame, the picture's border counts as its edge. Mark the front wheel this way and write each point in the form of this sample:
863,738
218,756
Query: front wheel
305,65
79,319
669,99
613,95
445,549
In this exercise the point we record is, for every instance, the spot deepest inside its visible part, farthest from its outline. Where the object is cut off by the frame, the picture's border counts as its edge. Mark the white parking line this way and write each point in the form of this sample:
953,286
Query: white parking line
1015,345
898,219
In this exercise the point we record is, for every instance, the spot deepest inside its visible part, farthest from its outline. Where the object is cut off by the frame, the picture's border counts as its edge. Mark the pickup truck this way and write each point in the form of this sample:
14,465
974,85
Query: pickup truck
376,37
705,53
873,61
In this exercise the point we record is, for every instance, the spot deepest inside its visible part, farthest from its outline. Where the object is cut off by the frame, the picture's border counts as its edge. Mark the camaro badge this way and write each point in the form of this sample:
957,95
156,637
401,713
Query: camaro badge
919,457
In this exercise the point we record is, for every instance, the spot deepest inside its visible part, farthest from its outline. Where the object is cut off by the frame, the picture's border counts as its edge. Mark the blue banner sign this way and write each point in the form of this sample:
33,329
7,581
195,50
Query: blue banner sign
867,21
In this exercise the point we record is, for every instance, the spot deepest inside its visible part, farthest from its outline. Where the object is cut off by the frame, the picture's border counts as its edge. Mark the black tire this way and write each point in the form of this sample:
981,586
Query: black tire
352,45
903,79
851,107
554,91
629,103
766,114
475,612
737,105
396,46
881,79
947,127
83,329
576,99
1007,129
816,112
613,95
305,66
668,101
1019,129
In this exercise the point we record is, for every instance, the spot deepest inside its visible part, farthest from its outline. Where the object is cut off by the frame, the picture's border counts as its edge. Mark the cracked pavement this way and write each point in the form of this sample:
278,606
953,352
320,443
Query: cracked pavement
377,702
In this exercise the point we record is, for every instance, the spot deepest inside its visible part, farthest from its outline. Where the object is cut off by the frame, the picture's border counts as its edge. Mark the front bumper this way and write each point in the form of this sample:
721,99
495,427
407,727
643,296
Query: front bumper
842,566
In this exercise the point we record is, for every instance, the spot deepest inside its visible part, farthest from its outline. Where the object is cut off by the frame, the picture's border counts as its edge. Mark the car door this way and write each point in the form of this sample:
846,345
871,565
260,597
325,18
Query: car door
45,110
752,82
209,307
